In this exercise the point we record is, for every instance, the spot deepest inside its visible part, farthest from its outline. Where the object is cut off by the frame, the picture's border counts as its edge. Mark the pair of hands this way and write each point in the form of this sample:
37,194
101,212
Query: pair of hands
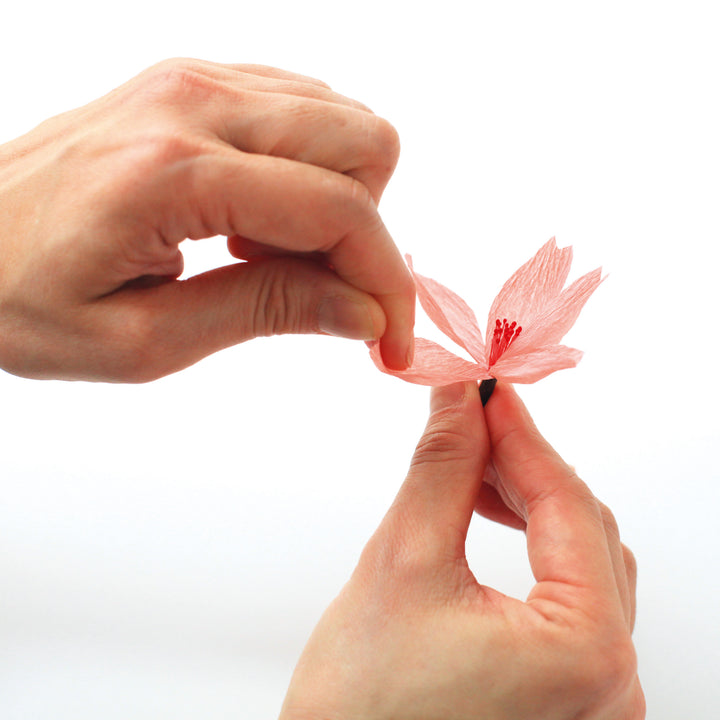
95,204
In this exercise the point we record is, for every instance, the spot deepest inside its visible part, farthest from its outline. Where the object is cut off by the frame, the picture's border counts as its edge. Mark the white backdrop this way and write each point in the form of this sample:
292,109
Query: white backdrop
166,549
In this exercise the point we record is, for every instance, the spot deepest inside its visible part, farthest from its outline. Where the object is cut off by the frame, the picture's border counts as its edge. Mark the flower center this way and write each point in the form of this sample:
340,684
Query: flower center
503,337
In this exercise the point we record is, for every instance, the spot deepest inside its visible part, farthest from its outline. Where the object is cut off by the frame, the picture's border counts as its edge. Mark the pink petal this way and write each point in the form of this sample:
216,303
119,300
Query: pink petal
433,365
534,365
532,287
551,326
491,476
450,313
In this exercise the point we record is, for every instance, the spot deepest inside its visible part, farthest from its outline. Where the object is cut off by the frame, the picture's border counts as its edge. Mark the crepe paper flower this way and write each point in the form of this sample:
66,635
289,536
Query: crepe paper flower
527,320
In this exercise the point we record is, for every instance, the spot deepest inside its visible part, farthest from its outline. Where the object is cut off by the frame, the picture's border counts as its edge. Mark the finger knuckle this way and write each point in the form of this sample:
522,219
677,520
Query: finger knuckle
616,668
165,148
385,143
132,348
178,79
278,309
161,154
360,207
444,441
562,483
359,200
603,671
348,207
609,521
631,566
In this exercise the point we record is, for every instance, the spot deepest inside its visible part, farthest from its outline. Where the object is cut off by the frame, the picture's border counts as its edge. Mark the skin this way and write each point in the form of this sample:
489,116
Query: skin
414,634
96,202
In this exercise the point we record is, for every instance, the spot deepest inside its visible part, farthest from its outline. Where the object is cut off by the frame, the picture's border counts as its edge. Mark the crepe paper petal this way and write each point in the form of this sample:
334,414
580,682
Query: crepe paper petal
532,287
432,365
450,313
491,475
512,502
532,366
527,320
551,326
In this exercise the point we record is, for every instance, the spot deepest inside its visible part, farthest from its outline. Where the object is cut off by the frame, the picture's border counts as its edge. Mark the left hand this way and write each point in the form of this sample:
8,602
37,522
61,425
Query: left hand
95,203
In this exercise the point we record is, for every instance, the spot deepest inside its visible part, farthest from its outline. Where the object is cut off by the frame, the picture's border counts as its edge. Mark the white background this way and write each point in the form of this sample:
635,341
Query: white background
166,549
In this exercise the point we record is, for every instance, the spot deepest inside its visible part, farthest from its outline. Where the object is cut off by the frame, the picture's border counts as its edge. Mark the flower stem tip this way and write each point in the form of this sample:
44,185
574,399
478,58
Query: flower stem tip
486,390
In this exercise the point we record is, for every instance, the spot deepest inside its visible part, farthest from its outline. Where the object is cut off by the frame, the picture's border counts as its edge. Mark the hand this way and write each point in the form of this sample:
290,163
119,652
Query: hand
95,203
414,635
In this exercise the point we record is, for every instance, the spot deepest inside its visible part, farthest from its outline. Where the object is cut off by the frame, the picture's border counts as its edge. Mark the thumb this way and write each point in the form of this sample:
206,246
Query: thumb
294,295
435,504
175,324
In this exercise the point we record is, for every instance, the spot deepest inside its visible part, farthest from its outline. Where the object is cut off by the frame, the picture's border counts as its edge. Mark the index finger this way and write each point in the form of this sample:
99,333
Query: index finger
298,207
567,543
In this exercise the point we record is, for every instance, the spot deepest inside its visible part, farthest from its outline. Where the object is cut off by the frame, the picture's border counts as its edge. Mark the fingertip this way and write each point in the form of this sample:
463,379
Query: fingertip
397,348
398,343
506,406
507,417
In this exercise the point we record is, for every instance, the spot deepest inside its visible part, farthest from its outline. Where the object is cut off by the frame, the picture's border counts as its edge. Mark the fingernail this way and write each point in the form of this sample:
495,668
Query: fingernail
410,352
346,318
448,396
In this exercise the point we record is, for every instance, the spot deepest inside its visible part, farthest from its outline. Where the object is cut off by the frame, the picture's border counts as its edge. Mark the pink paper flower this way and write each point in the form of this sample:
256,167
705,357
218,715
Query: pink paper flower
527,320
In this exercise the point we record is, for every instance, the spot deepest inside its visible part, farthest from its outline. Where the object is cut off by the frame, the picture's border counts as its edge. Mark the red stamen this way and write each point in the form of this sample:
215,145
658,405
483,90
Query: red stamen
503,337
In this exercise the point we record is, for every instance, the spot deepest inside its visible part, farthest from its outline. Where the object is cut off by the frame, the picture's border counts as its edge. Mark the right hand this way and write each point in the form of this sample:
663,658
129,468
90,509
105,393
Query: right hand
95,203
414,634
